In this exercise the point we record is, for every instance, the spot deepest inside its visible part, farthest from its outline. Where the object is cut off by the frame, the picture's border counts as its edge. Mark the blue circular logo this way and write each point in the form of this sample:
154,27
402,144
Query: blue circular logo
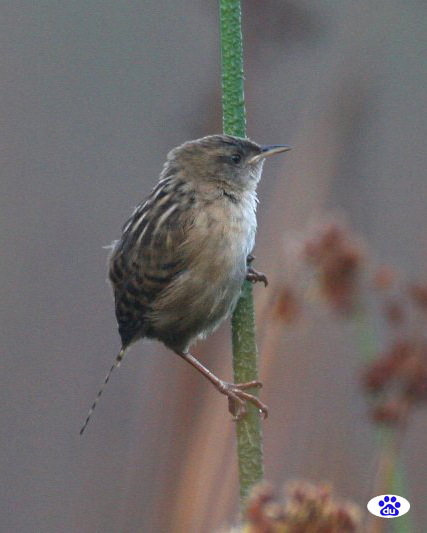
388,506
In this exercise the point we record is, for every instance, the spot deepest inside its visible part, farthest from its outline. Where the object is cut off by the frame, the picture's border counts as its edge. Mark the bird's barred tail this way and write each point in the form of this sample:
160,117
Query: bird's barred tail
101,390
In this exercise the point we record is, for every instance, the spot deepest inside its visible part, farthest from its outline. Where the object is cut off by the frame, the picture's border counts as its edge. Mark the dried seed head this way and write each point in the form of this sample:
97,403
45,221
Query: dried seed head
337,257
390,413
287,307
394,313
307,508
418,294
401,375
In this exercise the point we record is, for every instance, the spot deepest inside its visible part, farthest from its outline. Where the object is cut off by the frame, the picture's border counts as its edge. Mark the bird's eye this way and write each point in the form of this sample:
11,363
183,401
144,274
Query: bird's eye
236,158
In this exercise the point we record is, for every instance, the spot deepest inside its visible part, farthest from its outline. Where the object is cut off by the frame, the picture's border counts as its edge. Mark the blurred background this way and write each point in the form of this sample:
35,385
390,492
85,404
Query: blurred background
92,97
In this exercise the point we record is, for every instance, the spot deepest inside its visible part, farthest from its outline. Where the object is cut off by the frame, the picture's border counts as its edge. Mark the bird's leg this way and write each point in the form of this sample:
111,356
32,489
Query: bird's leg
237,397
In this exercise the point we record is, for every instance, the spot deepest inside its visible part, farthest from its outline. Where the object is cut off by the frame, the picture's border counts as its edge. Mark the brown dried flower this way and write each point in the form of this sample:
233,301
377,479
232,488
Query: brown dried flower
418,294
337,256
394,313
389,413
382,370
308,508
287,307
401,375
311,506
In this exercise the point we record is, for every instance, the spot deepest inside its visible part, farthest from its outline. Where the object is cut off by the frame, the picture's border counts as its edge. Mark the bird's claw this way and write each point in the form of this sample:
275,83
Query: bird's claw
238,398
254,276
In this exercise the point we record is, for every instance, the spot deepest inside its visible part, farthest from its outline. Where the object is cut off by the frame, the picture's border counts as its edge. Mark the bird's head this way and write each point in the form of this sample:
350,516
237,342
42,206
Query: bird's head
225,159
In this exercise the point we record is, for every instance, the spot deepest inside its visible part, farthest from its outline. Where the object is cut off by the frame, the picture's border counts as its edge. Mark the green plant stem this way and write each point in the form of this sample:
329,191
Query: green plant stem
245,354
233,100
390,477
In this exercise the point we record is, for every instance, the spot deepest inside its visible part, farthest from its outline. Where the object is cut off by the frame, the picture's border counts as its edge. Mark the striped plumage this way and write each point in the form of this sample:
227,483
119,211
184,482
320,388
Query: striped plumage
179,265
145,261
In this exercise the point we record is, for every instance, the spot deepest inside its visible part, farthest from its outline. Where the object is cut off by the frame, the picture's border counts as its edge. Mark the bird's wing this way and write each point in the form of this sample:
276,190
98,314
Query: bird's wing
148,257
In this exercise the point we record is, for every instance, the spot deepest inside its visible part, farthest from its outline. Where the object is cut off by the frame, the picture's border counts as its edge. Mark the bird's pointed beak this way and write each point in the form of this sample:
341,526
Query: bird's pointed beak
267,151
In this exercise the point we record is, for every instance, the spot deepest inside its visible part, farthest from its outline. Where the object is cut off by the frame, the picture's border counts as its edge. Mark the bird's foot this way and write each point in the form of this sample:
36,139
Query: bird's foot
238,398
254,276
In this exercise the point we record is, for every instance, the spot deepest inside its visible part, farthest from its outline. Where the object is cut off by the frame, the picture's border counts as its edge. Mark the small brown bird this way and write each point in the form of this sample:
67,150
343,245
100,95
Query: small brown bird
179,265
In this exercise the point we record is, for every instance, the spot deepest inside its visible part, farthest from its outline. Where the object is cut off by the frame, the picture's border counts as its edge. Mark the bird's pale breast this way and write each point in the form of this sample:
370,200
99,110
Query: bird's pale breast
217,246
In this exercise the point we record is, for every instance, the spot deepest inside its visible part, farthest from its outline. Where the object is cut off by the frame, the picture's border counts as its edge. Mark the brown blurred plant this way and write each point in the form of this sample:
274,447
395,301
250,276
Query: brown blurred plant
330,260
418,295
394,313
398,379
308,508
287,306
337,257
348,277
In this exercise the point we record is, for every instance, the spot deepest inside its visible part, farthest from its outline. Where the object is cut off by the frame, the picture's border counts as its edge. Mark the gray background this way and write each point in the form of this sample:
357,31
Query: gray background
92,96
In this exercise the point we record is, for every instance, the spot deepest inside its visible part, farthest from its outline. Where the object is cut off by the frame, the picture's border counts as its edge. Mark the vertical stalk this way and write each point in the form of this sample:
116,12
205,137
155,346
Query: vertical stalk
390,476
245,354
